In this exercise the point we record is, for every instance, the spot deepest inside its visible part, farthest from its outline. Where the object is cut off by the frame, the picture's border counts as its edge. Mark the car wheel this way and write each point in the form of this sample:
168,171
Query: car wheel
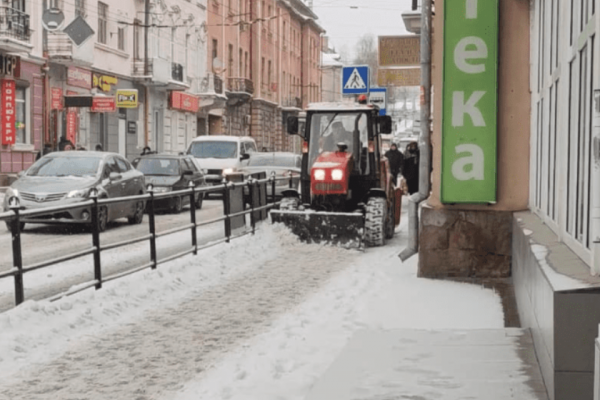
138,216
9,226
199,201
177,205
102,219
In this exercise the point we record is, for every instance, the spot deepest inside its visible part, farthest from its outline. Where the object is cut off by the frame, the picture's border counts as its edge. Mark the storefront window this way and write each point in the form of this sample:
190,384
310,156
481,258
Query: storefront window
21,117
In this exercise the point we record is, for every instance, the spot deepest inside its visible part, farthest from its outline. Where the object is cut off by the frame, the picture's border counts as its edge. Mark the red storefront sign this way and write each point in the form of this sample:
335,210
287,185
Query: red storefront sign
184,101
103,104
57,99
72,123
79,77
7,91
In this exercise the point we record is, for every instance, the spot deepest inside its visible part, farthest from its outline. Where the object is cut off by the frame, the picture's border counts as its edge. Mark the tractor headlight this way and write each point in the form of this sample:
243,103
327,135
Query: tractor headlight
337,174
319,174
162,189
228,171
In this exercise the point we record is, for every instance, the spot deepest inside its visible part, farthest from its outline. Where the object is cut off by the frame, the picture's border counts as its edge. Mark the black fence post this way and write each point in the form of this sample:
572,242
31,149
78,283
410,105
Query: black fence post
251,183
273,181
227,209
15,206
152,227
96,239
193,216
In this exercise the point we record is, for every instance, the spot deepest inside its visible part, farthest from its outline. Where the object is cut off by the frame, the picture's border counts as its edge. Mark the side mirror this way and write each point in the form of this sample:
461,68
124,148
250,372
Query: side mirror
245,156
21,174
385,124
114,176
292,125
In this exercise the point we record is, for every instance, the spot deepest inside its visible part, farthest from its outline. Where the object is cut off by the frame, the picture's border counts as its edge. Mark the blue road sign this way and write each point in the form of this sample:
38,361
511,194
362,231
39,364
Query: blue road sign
355,79
378,96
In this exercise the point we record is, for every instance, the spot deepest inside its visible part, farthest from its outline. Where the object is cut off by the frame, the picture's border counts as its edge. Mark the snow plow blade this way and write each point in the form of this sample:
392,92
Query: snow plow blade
345,229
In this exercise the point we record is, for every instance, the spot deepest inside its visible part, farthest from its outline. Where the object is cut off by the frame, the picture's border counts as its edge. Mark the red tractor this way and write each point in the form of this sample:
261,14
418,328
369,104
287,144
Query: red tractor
347,194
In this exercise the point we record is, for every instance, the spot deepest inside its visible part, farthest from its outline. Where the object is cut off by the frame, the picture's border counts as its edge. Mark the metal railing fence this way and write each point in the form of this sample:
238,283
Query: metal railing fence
16,213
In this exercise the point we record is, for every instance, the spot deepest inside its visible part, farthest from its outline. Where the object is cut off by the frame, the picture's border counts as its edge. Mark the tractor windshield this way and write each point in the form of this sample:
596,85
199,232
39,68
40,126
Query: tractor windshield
329,129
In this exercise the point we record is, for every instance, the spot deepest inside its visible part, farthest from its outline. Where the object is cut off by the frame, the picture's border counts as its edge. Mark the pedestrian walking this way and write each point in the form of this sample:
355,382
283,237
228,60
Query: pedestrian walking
98,147
396,160
410,169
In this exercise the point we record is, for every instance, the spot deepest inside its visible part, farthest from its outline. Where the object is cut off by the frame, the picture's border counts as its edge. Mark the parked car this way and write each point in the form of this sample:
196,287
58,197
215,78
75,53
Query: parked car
221,155
166,173
67,177
279,163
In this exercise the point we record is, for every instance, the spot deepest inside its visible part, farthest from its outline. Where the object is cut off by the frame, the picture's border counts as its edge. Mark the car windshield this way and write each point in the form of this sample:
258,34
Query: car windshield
158,166
65,166
273,160
214,149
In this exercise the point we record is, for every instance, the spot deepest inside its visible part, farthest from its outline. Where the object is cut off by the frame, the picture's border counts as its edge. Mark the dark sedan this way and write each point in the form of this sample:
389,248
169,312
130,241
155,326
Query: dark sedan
281,164
167,173
68,177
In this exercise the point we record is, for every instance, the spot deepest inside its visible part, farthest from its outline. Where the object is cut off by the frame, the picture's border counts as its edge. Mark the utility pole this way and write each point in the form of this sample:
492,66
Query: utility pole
146,89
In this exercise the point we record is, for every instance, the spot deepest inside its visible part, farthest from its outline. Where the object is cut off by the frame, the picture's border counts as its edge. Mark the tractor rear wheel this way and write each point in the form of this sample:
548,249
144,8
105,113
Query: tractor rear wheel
375,221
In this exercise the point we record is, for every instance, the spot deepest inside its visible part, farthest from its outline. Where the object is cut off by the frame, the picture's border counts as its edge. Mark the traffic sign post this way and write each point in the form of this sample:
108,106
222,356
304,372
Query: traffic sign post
378,96
355,79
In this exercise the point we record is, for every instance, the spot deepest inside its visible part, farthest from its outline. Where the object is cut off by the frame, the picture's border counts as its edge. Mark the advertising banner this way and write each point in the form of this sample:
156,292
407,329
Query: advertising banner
469,112
57,99
399,51
127,98
8,113
72,126
399,76
79,77
185,102
103,104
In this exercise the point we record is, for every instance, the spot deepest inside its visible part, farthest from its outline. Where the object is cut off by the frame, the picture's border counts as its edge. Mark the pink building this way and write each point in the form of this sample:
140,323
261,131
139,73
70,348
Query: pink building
267,54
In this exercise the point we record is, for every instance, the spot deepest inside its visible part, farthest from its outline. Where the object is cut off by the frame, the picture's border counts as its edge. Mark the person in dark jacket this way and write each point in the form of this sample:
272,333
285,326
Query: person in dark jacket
410,170
396,159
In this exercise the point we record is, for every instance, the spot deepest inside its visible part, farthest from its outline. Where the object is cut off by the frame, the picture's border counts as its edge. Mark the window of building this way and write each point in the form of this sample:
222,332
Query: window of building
262,70
22,116
80,8
241,63
121,38
18,5
269,76
215,49
230,61
246,65
102,22
137,32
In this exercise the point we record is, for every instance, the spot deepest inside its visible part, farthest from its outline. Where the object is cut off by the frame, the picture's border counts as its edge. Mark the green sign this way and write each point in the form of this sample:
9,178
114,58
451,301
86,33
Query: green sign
469,101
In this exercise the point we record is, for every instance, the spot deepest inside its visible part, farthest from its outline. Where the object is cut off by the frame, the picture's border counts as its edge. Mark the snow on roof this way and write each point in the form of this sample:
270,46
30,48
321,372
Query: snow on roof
221,138
332,59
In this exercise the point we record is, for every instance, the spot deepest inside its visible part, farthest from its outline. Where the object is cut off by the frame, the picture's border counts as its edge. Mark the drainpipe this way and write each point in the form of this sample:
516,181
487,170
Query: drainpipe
424,138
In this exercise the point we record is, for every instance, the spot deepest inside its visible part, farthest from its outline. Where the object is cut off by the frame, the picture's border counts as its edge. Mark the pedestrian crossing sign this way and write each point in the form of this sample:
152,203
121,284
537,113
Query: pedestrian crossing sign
355,79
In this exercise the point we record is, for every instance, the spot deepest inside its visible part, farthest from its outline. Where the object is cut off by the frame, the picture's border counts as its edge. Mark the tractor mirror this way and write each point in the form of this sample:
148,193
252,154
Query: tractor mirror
292,125
385,124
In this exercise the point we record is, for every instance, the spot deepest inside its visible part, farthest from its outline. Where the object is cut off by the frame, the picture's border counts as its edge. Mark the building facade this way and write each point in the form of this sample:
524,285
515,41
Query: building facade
542,229
267,54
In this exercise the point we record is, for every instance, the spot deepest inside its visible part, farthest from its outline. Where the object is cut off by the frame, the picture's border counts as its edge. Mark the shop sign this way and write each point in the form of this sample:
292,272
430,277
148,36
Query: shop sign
185,102
72,126
57,99
469,114
10,65
104,82
127,98
398,77
79,77
7,87
399,51
103,104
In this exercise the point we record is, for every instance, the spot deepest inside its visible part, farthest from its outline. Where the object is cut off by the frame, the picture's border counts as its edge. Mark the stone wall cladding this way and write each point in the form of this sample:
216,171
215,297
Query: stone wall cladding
465,244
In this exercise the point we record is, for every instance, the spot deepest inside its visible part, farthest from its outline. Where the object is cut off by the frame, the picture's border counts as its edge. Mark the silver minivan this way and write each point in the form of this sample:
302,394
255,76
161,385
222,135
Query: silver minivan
221,155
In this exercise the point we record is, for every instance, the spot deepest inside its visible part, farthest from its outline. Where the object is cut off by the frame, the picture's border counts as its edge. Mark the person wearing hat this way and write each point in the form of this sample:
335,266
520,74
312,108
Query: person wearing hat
338,135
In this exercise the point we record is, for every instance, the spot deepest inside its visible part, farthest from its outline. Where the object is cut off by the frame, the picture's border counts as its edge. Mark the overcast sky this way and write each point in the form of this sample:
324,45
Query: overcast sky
347,20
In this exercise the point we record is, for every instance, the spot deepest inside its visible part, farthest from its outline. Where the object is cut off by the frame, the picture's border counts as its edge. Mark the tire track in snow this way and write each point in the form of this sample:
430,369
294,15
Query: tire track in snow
163,350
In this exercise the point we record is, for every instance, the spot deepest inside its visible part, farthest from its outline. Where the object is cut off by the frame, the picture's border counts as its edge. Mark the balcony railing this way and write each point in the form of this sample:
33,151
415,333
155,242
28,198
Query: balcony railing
14,24
240,85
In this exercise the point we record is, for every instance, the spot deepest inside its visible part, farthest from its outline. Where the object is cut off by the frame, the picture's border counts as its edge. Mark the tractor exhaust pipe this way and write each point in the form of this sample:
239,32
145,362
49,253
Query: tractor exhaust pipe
424,137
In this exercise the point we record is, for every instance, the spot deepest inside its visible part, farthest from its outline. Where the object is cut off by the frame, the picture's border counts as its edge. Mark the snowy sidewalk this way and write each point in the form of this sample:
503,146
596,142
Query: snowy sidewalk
495,364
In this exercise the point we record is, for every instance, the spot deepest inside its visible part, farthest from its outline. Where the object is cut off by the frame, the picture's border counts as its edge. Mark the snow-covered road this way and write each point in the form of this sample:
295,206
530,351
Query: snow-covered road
260,318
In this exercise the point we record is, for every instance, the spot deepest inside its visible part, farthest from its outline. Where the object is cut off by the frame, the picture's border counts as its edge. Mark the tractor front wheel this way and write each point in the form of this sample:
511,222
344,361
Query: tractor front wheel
375,221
